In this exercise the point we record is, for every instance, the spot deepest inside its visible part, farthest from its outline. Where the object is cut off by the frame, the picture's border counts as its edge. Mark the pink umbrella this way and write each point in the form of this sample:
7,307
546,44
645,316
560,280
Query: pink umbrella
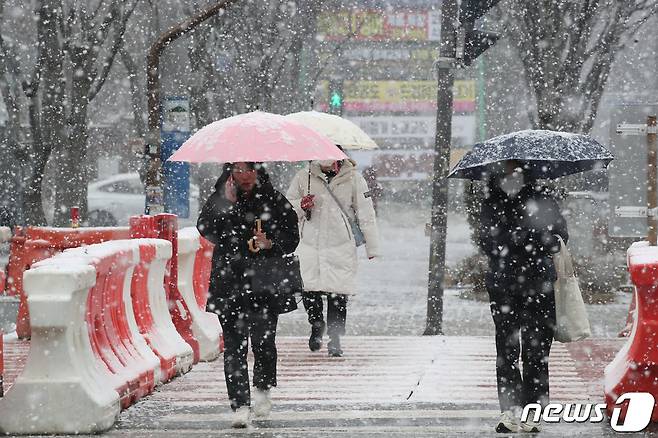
256,137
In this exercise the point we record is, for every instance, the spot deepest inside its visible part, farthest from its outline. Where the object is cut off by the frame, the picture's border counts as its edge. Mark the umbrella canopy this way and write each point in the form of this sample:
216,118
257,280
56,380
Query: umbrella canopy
341,131
256,137
543,155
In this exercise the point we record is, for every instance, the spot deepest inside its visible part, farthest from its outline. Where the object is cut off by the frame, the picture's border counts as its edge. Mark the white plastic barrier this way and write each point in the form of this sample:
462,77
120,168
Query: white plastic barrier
205,325
148,361
63,388
163,324
89,355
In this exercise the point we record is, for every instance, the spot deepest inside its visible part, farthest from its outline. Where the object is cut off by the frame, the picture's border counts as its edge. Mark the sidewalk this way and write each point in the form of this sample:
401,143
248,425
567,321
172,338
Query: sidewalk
384,386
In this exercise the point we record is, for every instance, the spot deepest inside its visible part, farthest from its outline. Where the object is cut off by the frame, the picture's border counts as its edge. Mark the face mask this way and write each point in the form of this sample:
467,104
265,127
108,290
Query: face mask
511,184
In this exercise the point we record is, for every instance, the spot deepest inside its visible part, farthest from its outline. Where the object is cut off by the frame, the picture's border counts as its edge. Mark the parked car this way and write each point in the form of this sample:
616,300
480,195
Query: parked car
112,201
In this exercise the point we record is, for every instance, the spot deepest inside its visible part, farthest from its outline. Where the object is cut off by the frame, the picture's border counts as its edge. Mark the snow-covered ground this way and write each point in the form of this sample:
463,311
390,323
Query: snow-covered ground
392,291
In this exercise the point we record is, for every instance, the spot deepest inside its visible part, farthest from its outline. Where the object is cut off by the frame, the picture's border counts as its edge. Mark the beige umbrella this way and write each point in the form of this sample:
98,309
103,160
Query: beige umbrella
341,131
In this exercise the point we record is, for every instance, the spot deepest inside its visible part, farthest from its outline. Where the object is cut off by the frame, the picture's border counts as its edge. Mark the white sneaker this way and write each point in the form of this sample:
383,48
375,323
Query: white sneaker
507,423
530,426
262,402
240,418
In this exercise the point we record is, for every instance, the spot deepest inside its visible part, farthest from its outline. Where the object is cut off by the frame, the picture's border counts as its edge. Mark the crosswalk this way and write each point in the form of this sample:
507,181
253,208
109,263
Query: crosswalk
383,386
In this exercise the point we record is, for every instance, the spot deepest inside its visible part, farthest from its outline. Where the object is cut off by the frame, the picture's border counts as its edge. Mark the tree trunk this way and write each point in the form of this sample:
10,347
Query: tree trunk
135,93
72,187
12,168
32,198
46,115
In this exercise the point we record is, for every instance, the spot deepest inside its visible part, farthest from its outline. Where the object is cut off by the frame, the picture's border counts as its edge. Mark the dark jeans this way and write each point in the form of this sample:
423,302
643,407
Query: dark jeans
524,316
242,318
336,311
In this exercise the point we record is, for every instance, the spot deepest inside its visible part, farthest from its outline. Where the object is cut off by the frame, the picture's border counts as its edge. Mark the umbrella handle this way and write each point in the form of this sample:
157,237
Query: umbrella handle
308,188
308,191
252,242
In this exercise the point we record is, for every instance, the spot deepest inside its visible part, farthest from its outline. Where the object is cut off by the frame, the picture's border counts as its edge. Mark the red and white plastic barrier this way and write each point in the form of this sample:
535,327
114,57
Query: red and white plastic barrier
62,374
635,367
153,314
205,325
165,226
92,352
30,245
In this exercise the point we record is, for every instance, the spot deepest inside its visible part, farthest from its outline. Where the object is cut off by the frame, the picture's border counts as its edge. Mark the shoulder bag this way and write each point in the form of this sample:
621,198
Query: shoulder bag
571,322
278,276
359,238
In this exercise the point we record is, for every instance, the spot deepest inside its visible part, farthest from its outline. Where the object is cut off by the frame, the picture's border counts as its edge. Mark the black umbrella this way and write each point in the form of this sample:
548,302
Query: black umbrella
542,154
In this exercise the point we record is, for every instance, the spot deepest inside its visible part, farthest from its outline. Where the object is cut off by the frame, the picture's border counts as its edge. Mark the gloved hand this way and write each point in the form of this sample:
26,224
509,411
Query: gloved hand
308,202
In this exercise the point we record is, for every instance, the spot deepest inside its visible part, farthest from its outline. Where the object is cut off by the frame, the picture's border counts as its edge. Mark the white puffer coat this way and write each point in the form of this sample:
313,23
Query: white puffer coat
327,251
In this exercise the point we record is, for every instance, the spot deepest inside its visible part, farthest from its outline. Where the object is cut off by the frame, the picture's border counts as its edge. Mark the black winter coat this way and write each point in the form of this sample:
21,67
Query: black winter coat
518,234
229,226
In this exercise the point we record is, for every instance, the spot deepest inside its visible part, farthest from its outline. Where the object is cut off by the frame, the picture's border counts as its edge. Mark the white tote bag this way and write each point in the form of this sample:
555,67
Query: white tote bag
570,314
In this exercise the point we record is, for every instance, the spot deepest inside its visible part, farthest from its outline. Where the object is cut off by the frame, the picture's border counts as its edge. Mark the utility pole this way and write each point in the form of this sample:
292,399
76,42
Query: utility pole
438,231
153,183
459,46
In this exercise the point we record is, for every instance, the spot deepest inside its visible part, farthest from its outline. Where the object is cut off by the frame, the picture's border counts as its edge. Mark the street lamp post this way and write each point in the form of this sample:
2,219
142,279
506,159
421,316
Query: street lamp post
459,46
444,101
153,183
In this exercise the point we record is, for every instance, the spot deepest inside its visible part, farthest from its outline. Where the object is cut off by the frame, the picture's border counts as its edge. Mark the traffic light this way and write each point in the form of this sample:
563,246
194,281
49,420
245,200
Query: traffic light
336,98
475,42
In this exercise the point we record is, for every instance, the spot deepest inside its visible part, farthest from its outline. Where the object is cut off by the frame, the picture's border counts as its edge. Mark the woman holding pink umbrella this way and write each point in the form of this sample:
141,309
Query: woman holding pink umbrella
244,197
253,228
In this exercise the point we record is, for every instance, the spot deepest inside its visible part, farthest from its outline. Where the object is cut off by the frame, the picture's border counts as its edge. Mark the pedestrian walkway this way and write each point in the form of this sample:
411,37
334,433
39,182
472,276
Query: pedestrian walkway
384,386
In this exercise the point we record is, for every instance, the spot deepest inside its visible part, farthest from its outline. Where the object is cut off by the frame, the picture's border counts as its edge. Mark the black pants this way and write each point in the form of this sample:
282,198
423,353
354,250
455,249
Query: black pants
524,316
336,311
243,317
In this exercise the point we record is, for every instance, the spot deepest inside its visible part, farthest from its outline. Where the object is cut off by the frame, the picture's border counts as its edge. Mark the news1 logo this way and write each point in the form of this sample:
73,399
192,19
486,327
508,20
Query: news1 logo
638,413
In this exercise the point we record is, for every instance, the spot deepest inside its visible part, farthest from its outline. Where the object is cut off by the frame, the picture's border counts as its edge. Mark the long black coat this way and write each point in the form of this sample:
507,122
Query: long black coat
230,226
518,234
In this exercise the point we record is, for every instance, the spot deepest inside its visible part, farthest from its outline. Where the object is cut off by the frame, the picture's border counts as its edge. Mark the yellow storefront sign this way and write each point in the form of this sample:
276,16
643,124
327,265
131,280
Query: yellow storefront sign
399,91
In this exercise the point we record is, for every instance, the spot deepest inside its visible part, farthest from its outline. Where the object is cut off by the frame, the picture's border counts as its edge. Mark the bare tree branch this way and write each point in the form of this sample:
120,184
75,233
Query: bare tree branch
120,31
95,14
567,62
99,33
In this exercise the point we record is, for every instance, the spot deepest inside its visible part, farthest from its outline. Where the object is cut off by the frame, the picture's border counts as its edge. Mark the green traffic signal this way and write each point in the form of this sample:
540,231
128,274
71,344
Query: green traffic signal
336,99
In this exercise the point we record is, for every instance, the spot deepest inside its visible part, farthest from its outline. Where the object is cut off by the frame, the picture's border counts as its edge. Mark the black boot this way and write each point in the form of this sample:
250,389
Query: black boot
315,340
333,347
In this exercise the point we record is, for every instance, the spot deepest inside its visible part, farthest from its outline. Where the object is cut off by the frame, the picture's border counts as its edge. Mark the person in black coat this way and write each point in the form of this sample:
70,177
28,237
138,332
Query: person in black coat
243,195
519,221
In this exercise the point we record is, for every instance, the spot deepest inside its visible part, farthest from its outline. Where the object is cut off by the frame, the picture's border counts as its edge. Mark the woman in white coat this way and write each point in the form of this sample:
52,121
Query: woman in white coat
327,251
